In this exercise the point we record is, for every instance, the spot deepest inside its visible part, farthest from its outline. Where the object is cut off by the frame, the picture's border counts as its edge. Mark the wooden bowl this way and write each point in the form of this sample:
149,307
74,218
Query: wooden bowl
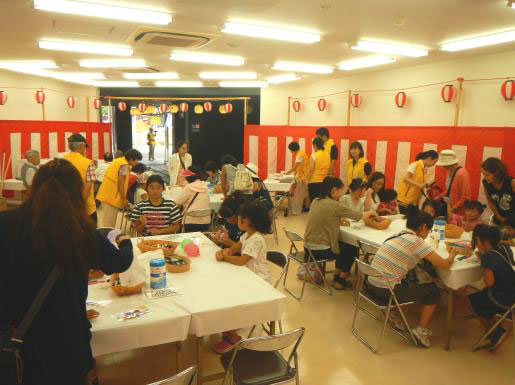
453,231
176,268
378,224
125,290
168,247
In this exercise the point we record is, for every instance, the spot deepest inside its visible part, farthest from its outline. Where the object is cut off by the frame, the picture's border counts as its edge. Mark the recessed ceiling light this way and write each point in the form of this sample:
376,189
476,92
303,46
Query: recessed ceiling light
117,84
112,63
151,76
479,41
105,11
302,67
9,64
196,57
183,84
269,32
364,62
249,84
390,48
227,75
75,46
282,78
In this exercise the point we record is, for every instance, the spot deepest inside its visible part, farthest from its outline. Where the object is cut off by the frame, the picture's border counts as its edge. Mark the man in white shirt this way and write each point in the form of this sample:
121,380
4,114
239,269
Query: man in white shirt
29,167
102,167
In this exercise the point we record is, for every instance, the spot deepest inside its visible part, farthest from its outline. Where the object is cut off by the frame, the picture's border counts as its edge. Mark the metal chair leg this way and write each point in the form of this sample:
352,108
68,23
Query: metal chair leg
497,323
384,325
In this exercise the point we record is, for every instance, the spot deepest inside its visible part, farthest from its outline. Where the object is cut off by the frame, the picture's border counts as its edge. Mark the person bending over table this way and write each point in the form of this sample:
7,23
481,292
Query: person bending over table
250,251
230,233
319,165
51,229
229,167
395,258
156,215
375,186
388,205
323,228
499,189
213,175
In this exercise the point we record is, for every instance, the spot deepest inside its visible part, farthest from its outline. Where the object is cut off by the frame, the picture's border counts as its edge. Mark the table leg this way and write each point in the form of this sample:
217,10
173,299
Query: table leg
199,361
178,351
272,328
450,308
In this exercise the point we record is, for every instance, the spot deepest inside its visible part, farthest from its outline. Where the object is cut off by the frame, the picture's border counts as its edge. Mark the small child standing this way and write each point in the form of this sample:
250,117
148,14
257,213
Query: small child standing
250,251
472,217
388,205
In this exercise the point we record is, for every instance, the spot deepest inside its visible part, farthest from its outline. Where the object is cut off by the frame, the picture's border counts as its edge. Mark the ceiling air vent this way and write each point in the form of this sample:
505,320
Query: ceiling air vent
171,39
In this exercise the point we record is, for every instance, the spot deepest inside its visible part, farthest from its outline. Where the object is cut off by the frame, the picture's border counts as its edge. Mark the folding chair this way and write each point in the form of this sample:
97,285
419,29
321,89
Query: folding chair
368,250
200,213
281,260
365,270
300,257
502,317
275,210
105,230
186,377
258,360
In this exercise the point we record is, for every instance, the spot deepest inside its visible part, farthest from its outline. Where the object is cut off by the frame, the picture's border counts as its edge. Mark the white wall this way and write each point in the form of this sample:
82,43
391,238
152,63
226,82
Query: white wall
482,104
21,103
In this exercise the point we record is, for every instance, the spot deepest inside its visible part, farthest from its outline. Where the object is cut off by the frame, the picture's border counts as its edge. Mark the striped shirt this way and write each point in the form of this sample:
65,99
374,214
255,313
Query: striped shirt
397,256
160,216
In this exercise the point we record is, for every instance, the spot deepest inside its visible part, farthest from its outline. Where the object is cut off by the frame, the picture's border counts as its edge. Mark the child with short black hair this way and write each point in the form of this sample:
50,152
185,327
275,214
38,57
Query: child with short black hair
430,207
388,205
508,231
471,217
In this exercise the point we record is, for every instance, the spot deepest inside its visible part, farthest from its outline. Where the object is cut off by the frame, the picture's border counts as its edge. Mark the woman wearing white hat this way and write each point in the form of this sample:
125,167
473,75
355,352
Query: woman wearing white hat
457,185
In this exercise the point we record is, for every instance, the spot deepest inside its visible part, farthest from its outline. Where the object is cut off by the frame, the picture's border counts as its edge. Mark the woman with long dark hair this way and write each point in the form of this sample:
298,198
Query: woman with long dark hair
499,189
375,186
179,161
52,229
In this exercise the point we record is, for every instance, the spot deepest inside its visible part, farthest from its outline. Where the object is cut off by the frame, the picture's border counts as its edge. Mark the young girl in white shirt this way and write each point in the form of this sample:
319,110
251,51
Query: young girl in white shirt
250,251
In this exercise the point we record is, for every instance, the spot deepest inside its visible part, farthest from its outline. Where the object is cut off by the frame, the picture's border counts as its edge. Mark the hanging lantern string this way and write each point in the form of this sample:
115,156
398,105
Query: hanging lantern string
49,89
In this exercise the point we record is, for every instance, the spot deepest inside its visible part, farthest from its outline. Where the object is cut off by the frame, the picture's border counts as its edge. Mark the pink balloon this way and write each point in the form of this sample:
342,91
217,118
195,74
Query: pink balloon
192,250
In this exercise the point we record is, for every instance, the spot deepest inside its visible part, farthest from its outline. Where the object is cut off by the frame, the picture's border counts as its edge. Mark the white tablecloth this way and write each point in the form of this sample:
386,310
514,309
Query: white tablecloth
460,274
275,185
14,185
215,200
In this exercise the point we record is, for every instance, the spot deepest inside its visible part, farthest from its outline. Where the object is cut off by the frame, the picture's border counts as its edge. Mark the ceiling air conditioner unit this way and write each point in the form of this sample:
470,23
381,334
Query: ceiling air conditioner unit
168,38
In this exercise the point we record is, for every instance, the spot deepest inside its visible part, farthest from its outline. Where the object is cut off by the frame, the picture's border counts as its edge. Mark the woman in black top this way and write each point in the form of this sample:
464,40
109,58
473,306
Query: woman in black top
52,228
499,189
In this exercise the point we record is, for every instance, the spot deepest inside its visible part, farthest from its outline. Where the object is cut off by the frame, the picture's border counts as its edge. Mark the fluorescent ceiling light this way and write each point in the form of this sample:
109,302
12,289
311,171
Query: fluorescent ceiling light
269,32
389,48
79,75
479,41
74,46
207,58
256,84
13,64
302,67
117,84
113,63
106,11
282,78
151,76
365,62
186,83
227,75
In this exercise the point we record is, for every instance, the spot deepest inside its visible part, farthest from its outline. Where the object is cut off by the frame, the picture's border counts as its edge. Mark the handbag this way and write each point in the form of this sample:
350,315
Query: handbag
243,179
11,339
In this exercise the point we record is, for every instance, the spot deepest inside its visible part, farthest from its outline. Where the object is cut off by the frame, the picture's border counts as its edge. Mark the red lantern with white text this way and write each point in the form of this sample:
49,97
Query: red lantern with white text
70,100
508,90
183,107
355,100
448,93
142,107
208,106
401,99
122,106
296,106
40,97
163,108
97,103
228,108
3,98
322,104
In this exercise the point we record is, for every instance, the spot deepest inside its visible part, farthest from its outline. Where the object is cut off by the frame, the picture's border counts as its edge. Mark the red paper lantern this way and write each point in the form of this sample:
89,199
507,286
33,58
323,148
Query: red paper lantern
40,97
183,107
448,93
3,98
163,108
321,104
296,106
208,106
70,100
142,107
356,100
228,108
97,103
508,90
401,99
122,106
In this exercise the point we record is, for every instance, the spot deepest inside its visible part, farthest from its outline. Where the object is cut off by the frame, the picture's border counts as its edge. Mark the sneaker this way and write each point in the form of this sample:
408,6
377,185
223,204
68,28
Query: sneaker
225,345
422,336
340,283
497,337
396,322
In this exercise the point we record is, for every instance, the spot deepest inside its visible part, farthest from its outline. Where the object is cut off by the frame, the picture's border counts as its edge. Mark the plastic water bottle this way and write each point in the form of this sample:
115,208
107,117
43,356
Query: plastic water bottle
440,228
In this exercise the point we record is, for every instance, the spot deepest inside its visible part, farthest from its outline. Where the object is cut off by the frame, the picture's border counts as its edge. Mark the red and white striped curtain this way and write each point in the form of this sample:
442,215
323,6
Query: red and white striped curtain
388,149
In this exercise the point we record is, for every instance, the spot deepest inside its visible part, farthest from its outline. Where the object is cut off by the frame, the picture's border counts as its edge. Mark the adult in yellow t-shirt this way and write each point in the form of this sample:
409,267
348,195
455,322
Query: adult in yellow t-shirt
319,166
414,181
357,164
86,168
151,141
329,147
301,169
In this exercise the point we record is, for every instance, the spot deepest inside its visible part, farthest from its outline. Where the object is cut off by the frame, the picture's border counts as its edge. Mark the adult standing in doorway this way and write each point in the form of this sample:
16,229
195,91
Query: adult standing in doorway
151,141
179,161
329,147
77,156
319,166
113,190
499,189
356,163
457,185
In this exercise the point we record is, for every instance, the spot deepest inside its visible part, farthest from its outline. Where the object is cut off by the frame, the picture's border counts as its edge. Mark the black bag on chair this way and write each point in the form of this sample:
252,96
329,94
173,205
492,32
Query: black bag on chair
11,339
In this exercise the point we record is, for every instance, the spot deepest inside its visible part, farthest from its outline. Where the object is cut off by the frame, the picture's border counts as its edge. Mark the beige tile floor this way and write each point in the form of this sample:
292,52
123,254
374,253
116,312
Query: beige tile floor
331,355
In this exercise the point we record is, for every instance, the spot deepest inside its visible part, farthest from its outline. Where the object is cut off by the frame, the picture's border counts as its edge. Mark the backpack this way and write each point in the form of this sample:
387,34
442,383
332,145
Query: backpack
243,179
263,195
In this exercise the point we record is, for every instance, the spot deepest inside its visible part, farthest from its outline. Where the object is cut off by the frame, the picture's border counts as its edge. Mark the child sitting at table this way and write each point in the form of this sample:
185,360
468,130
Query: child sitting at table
430,207
508,231
355,200
230,233
472,217
250,251
156,215
388,205
499,278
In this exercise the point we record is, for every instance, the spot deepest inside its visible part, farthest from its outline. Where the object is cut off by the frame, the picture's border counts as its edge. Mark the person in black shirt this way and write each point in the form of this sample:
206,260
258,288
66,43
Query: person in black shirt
228,212
329,147
499,277
51,228
499,189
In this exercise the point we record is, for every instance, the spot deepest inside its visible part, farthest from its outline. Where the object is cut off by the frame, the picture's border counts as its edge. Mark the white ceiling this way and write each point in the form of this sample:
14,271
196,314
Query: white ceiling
342,22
